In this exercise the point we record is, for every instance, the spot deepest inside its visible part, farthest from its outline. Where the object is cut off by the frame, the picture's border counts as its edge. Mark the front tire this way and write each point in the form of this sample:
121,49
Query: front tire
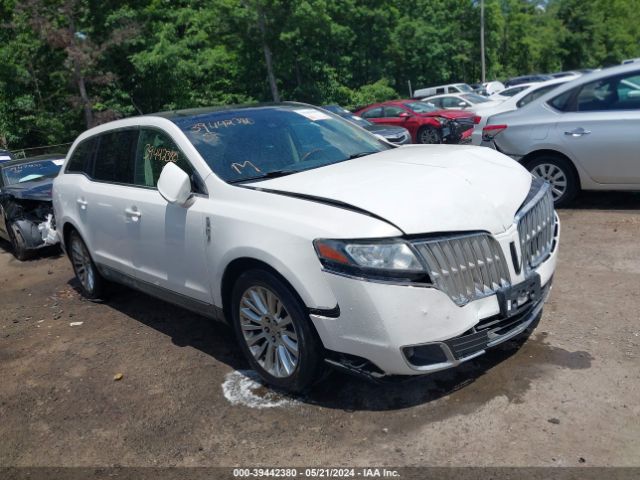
274,332
429,135
560,174
92,285
20,250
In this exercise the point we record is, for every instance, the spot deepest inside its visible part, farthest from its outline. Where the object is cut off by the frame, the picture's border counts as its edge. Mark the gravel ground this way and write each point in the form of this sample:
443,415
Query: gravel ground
568,396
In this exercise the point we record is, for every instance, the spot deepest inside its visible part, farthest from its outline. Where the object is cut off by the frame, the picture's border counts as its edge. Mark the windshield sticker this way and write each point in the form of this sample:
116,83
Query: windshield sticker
58,162
159,153
238,167
312,114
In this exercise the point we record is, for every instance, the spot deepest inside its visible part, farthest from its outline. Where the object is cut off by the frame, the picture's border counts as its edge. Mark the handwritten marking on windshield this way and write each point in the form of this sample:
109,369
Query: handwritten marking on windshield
206,127
238,167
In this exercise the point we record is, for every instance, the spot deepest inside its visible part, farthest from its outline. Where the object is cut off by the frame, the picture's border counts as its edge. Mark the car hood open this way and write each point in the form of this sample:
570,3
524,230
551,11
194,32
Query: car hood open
420,188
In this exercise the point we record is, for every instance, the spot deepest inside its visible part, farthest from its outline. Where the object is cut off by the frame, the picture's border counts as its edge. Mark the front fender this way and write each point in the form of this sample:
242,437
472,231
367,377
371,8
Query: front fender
306,278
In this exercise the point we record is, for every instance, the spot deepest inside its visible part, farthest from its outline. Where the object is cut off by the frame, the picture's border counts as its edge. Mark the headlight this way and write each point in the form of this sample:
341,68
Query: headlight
376,259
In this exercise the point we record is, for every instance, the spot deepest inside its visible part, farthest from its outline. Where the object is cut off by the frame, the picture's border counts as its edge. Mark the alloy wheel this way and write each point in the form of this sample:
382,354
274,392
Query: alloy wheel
82,264
269,331
554,175
429,135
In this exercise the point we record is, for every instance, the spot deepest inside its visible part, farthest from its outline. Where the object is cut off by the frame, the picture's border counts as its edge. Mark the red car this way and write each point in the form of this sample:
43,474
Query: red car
426,123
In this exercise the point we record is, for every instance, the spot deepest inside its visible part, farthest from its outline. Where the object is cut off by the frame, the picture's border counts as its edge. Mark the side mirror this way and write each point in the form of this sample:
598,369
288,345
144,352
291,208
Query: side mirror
404,115
174,184
462,104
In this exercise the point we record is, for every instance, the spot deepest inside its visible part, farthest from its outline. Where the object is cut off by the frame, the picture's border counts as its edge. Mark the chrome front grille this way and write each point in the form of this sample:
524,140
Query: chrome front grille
465,267
536,226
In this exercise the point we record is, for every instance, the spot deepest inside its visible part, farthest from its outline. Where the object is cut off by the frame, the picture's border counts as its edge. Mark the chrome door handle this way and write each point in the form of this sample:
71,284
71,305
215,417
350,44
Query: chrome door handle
133,213
578,132
82,202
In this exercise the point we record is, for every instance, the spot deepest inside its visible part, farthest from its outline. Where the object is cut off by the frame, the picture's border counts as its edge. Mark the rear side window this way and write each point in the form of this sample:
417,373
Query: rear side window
453,102
373,113
114,159
440,91
530,97
156,149
80,161
563,101
393,111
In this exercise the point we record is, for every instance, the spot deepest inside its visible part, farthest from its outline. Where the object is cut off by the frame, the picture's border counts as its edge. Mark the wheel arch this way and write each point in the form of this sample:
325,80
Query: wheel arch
238,266
67,228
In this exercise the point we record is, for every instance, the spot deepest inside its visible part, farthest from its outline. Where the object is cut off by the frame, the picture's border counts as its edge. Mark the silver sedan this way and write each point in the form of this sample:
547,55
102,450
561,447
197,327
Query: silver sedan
582,135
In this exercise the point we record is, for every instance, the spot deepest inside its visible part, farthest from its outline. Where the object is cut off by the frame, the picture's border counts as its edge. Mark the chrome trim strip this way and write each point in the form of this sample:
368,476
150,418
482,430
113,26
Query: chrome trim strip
453,362
524,209
378,280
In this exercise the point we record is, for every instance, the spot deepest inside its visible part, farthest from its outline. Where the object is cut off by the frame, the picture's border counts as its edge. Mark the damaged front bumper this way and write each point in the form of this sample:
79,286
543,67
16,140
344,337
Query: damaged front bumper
33,220
38,234
387,330
458,131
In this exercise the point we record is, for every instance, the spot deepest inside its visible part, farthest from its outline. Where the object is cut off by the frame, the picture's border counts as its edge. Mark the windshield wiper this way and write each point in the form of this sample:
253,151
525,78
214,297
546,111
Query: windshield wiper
361,154
266,176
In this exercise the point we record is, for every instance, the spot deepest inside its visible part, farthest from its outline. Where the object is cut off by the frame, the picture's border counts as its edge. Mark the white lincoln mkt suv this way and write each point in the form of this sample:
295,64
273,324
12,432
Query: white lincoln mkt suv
319,242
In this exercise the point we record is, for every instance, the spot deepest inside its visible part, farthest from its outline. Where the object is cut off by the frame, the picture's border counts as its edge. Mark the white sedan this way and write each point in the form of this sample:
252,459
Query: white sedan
460,101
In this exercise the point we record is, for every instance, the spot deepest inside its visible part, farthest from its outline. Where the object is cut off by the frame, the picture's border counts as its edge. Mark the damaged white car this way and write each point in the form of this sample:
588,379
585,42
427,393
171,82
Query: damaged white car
26,213
320,243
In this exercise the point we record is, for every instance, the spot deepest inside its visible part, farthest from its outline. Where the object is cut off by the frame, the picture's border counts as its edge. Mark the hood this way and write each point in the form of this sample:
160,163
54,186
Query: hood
34,190
421,188
450,114
385,130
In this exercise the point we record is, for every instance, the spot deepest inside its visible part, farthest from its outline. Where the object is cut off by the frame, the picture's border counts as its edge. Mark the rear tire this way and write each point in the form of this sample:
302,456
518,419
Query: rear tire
274,331
429,135
92,284
560,174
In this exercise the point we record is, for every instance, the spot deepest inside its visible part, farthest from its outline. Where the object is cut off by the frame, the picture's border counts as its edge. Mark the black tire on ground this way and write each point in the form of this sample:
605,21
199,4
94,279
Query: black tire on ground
552,166
429,135
18,243
309,359
92,284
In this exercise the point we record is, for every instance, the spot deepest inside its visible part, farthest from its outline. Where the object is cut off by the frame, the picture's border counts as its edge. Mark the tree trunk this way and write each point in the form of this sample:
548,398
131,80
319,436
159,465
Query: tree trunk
78,78
84,98
268,58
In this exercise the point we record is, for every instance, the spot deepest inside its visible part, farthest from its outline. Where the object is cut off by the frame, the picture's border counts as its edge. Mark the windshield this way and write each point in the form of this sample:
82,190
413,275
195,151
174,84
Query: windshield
421,107
260,142
510,92
25,172
474,98
463,87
